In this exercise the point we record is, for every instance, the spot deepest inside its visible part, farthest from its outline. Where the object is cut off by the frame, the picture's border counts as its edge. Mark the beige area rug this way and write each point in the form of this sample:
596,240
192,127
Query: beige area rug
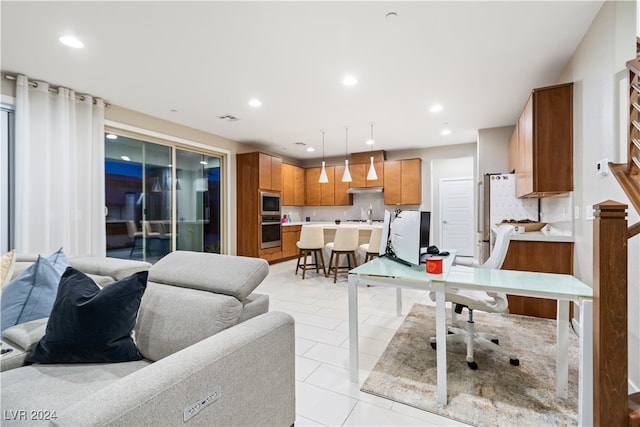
497,393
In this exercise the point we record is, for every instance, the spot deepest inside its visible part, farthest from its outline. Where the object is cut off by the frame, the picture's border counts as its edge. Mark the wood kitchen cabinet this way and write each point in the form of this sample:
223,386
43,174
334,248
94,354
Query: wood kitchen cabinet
255,172
359,165
341,197
403,182
270,172
545,257
333,193
541,146
290,236
293,178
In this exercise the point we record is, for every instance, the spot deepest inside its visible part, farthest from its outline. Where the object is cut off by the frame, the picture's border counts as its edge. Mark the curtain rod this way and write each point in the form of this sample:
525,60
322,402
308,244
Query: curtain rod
53,89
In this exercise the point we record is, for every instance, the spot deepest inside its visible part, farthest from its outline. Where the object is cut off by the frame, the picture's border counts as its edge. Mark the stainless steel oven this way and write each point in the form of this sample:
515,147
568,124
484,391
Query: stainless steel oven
269,204
270,231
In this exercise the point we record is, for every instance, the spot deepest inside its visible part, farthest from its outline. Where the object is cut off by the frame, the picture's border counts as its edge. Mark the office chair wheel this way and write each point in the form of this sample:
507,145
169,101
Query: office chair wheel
496,341
472,365
514,362
433,345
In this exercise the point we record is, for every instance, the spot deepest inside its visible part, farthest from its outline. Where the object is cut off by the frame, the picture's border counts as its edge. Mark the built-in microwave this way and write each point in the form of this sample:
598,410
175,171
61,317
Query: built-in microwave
269,203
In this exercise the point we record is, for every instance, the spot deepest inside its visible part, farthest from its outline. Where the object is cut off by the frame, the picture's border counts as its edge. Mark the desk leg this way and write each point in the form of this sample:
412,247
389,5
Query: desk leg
398,302
585,369
441,340
562,349
354,362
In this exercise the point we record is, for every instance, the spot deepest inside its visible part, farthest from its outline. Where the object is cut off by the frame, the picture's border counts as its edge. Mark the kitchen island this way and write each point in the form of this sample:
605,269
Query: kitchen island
291,234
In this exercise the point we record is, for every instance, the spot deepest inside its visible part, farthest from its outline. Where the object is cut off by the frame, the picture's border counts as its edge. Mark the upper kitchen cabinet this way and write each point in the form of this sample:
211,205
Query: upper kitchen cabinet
270,172
333,193
359,165
341,197
403,182
292,185
541,147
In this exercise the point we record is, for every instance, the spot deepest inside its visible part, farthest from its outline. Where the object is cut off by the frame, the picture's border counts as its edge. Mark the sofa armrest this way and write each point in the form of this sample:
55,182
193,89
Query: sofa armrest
250,366
21,338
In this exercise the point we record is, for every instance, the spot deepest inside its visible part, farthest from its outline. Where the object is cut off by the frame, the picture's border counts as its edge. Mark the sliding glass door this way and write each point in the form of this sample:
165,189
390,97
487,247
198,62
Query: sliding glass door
198,202
160,198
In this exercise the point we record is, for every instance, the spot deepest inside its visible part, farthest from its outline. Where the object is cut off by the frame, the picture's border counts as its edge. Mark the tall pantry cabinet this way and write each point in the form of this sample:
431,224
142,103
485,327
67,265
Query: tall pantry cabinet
255,172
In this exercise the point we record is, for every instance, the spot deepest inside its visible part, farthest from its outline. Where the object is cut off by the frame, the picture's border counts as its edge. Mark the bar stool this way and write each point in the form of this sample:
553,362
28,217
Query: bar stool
345,243
372,249
311,243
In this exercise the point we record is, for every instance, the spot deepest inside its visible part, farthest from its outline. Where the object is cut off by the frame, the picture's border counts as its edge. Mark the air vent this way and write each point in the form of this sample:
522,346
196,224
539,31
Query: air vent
229,118
301,143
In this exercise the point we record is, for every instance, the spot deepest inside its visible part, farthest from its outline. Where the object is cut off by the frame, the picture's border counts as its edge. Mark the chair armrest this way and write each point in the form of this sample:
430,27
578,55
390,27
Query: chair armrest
252,363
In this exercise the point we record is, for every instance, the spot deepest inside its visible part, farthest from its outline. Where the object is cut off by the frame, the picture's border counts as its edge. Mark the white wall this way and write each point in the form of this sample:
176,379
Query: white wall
601,56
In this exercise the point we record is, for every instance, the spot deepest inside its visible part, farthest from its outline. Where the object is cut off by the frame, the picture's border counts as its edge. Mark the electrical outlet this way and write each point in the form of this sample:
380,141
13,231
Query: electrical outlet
576,212
193,409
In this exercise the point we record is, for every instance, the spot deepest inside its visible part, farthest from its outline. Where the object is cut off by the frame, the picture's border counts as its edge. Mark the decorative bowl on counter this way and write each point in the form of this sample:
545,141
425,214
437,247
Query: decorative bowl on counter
337,222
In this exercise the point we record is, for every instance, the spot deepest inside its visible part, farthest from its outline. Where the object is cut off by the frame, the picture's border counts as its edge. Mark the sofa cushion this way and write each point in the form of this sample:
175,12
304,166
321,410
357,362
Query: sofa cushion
172,318
31,294
56,387
90,324
7,265
224,274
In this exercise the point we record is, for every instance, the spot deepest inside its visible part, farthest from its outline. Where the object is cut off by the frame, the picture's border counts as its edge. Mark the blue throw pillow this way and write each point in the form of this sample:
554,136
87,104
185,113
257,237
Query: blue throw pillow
59,261
30,295
90,324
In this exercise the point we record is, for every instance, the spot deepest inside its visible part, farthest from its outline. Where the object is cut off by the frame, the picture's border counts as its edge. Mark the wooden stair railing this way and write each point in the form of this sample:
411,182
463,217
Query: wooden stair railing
612,405
628,174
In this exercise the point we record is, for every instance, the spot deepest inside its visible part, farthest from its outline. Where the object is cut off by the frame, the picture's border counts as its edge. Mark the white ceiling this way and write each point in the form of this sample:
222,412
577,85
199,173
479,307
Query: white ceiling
478,59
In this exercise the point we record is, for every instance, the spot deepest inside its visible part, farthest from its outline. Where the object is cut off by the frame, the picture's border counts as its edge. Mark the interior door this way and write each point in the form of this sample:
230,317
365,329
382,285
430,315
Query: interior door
456,214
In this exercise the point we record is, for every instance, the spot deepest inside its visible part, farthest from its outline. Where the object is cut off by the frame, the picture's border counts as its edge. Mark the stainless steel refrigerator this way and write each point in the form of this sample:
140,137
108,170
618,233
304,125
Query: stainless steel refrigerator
499,202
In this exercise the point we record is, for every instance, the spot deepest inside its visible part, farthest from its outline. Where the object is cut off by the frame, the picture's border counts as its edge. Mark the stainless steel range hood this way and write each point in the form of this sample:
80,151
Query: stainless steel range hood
358,190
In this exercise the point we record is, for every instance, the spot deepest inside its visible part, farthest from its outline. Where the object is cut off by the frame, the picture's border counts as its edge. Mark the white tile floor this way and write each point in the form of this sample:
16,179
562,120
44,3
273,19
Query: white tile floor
324,394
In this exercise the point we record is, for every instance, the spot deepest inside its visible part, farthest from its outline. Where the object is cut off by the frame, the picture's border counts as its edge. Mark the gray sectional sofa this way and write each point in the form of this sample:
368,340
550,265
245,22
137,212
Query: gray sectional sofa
213,355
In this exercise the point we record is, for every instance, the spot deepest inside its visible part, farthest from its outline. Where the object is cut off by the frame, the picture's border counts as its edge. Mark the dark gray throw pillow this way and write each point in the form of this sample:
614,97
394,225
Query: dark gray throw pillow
89,324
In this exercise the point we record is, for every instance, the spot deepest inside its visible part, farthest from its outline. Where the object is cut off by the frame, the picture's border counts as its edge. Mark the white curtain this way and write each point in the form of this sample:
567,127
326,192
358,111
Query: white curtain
59,178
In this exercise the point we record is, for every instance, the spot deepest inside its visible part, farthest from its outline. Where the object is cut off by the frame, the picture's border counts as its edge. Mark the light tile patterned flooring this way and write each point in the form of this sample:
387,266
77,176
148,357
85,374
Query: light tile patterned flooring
324,394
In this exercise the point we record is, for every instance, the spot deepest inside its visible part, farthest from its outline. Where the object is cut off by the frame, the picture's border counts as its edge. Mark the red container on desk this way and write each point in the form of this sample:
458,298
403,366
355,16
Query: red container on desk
434,265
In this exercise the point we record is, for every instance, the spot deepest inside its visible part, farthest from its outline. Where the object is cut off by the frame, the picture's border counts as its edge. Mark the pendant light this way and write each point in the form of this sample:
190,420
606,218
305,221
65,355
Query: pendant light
346,177
371,175
323,173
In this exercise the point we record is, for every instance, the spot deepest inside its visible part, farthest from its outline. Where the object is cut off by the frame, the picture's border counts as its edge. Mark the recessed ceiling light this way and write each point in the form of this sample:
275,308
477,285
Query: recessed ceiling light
445,132
370,142
125,158
350,81
71,41
311,149
112,136
255,103
436,108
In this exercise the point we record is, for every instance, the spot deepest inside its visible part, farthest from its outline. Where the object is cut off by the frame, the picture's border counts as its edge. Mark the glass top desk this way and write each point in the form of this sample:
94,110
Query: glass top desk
561,287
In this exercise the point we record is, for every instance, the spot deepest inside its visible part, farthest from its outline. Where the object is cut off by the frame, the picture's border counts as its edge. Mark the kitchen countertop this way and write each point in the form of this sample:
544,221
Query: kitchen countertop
543,236
332,224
